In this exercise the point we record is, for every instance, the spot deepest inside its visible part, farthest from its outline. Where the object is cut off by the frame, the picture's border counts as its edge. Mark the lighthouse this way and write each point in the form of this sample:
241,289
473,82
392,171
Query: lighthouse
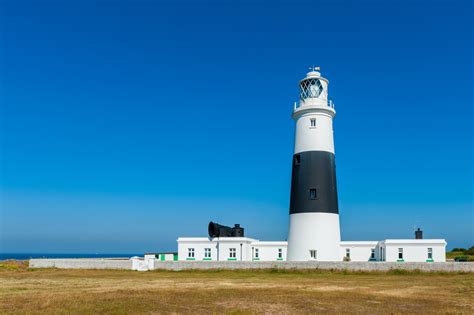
314,232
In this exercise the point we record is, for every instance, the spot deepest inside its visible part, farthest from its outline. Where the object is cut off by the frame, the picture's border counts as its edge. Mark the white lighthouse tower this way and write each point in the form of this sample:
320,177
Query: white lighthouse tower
314,232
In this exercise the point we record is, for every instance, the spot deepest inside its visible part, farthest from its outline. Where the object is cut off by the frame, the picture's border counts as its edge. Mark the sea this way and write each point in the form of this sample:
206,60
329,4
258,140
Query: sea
26,256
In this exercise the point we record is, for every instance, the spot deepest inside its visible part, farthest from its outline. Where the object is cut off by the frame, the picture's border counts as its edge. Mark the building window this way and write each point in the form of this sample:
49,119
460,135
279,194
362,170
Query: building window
256,253
313,254
372,253
280,253
207,253
430,253
400,253
297,159
313,122
232,253
190,252
348,253
312,193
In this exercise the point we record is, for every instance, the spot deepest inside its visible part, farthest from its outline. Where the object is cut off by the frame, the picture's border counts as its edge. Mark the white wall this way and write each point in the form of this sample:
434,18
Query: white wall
314,231
359,251
220,249
268,251
159,256
241,247
319,138
199,244
168,256
415,250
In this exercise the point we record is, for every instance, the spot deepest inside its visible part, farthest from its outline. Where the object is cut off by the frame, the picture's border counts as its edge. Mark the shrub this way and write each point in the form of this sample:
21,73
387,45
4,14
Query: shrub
470,251
461,258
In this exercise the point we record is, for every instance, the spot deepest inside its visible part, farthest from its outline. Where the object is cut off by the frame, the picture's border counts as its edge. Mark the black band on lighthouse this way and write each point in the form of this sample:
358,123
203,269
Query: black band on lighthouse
313,183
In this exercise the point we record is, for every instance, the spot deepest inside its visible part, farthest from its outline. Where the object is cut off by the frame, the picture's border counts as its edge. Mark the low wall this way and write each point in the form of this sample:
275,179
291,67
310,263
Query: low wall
352,266
81,263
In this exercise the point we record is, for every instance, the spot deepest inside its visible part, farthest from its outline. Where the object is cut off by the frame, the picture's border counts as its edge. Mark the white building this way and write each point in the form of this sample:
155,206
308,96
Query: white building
162,256
249,249
415,250
229,249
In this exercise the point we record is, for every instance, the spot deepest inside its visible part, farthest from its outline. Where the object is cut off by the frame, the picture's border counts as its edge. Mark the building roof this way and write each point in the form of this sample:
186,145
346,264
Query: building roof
158,253
284,243
358,243
415,241
220,239
270,243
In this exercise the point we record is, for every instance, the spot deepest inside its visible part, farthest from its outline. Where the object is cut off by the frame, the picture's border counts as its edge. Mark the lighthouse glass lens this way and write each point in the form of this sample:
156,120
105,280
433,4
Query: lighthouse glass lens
310,88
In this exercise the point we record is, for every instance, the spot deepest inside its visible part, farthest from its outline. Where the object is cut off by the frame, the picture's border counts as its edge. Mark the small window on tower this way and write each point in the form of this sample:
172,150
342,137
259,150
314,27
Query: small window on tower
297,159
312,193
313,122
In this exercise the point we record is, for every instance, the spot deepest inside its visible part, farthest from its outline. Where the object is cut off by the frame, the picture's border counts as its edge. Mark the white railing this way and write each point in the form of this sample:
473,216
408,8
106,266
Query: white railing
329,104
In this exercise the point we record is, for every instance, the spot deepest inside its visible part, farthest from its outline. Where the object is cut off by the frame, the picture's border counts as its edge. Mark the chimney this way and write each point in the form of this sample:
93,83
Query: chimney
418,234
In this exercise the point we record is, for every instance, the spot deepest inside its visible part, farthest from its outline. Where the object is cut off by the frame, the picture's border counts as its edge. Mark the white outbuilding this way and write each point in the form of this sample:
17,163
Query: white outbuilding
402,250
249,249
229,249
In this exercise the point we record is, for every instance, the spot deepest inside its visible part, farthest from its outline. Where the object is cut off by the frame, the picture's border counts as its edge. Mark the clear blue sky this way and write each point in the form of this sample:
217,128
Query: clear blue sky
125,124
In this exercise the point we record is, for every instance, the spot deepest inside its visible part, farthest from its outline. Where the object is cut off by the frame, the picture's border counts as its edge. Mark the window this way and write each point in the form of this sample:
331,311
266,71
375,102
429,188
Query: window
280,253
190,252
313,254
207,253
313,122
430,253
310,88
232,253
297,159
400,253
312,193
256,253
348,253
372,253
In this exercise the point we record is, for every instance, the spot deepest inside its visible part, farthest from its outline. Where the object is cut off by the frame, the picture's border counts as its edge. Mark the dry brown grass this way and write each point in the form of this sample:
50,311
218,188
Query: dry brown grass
25,291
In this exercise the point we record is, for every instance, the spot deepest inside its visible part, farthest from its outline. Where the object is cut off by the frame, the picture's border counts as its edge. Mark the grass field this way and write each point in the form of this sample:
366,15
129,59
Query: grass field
266,291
